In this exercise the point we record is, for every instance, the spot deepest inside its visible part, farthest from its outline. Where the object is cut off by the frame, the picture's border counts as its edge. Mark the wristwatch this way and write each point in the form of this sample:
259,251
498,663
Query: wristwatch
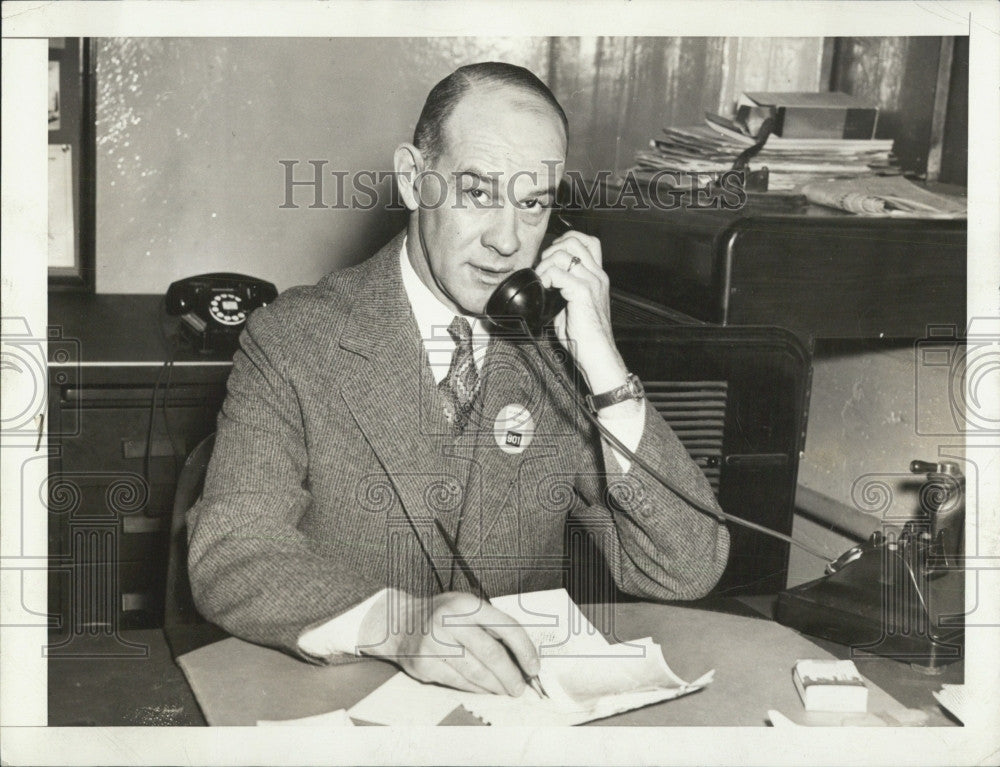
631,389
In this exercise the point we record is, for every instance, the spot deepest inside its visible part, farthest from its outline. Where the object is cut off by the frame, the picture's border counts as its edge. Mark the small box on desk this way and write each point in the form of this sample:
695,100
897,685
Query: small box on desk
831,685
812,115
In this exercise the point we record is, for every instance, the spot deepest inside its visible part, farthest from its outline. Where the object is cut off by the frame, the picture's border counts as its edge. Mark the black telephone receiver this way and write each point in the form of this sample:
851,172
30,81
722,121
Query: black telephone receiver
520,303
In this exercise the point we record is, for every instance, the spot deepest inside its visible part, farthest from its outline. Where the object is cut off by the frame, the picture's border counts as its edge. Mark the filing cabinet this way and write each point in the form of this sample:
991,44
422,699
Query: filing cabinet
120,425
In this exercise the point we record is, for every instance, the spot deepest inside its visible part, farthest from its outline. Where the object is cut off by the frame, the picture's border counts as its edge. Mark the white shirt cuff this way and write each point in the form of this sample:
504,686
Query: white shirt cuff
338,636
629,429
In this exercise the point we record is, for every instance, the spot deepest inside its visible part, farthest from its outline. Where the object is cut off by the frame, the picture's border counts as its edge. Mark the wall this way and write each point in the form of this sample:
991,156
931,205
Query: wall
900,75
619,92
190,132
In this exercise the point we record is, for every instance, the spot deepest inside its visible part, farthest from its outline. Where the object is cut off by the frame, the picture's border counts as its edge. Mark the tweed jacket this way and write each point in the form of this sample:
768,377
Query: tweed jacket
333,458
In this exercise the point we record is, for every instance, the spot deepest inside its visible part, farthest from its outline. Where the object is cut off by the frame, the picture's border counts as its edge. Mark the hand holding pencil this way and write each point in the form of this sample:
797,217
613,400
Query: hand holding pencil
455,639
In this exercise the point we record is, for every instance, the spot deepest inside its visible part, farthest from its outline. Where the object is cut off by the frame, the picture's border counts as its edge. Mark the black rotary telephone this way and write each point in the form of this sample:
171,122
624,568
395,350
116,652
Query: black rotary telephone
214,308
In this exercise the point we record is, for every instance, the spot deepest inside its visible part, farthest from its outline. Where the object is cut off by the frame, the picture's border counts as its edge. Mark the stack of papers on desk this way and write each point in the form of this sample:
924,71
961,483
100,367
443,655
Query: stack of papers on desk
586,678
684,152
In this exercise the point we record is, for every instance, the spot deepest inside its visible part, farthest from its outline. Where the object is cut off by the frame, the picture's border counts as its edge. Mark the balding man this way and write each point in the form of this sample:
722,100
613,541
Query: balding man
373,426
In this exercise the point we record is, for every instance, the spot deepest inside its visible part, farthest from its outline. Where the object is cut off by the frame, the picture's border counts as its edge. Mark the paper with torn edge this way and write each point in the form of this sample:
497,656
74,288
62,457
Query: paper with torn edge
955,699
580,690
584,689
585,677
338,718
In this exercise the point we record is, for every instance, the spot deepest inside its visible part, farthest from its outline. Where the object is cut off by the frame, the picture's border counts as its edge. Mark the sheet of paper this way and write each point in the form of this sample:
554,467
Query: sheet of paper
405,702
62,249
954,698
338,718
553,622
584,689
587,680
585,677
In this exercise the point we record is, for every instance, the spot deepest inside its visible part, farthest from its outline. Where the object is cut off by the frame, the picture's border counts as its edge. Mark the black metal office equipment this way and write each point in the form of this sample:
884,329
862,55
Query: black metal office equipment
120,426
901,593
737,399
820,273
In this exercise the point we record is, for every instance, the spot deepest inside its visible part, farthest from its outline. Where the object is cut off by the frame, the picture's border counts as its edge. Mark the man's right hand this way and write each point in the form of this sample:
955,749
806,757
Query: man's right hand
454,639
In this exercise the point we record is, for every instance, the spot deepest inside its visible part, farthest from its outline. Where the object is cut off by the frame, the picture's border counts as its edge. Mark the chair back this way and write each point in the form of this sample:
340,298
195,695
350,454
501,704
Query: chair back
179,606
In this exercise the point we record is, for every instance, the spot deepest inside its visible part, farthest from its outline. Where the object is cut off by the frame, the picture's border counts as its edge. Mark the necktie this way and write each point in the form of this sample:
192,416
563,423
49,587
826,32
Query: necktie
460,386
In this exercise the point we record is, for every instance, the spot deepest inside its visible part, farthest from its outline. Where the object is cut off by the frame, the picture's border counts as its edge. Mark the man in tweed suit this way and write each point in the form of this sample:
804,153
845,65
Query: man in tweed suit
371,416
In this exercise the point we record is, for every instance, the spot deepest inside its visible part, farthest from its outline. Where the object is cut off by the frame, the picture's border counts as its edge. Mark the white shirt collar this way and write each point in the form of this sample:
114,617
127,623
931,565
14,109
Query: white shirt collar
433,319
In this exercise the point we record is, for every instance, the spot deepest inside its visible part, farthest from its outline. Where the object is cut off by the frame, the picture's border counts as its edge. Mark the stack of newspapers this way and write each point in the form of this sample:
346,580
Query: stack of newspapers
689,157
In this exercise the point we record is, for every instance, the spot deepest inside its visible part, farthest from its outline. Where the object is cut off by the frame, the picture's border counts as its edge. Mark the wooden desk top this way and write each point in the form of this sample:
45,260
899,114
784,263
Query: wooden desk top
152,690
238,683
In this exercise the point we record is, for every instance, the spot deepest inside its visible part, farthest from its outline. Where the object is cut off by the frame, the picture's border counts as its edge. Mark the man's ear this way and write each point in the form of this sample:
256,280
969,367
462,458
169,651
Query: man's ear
408,162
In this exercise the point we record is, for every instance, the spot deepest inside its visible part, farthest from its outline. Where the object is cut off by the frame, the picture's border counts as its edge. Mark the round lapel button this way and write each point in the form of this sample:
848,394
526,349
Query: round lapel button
513,429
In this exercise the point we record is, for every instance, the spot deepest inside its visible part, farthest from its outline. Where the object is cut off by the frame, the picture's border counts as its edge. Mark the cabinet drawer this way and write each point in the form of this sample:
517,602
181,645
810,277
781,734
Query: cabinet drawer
116,438
108,453
99,595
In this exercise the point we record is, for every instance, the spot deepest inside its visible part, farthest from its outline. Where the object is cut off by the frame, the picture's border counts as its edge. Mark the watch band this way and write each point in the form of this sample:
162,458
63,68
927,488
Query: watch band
631,389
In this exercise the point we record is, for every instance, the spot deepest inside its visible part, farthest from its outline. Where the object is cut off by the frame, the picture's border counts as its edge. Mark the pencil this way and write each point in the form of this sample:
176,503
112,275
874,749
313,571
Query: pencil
533,681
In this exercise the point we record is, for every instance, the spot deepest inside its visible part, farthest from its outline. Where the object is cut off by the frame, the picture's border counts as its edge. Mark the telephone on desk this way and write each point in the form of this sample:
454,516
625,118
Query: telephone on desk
897,595
214,308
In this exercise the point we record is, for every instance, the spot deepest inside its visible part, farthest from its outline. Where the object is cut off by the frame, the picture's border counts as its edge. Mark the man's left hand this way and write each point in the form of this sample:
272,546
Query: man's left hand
573,264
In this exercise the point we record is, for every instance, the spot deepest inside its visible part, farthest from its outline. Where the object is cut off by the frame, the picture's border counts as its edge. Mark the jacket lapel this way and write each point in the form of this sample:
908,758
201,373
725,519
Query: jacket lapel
388,391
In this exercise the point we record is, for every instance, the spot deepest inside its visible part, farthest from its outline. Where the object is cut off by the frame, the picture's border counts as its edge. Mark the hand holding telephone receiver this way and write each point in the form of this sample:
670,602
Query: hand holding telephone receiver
520,303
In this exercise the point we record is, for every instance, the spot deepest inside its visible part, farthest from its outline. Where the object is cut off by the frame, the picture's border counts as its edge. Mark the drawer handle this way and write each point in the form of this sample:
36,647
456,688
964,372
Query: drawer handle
159,447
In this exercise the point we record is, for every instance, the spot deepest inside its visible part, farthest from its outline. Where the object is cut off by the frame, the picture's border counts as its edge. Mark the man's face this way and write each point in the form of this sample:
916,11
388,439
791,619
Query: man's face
485,201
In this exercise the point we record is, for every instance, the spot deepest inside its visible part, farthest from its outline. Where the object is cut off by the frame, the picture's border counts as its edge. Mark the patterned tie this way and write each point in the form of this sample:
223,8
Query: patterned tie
460,386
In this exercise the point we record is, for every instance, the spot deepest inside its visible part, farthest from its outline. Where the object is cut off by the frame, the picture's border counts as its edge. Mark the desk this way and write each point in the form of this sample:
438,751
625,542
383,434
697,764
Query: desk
98,688
820,273
153,690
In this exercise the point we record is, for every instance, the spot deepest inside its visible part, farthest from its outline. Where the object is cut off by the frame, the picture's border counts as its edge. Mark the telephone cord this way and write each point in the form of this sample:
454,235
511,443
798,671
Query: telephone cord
620,446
